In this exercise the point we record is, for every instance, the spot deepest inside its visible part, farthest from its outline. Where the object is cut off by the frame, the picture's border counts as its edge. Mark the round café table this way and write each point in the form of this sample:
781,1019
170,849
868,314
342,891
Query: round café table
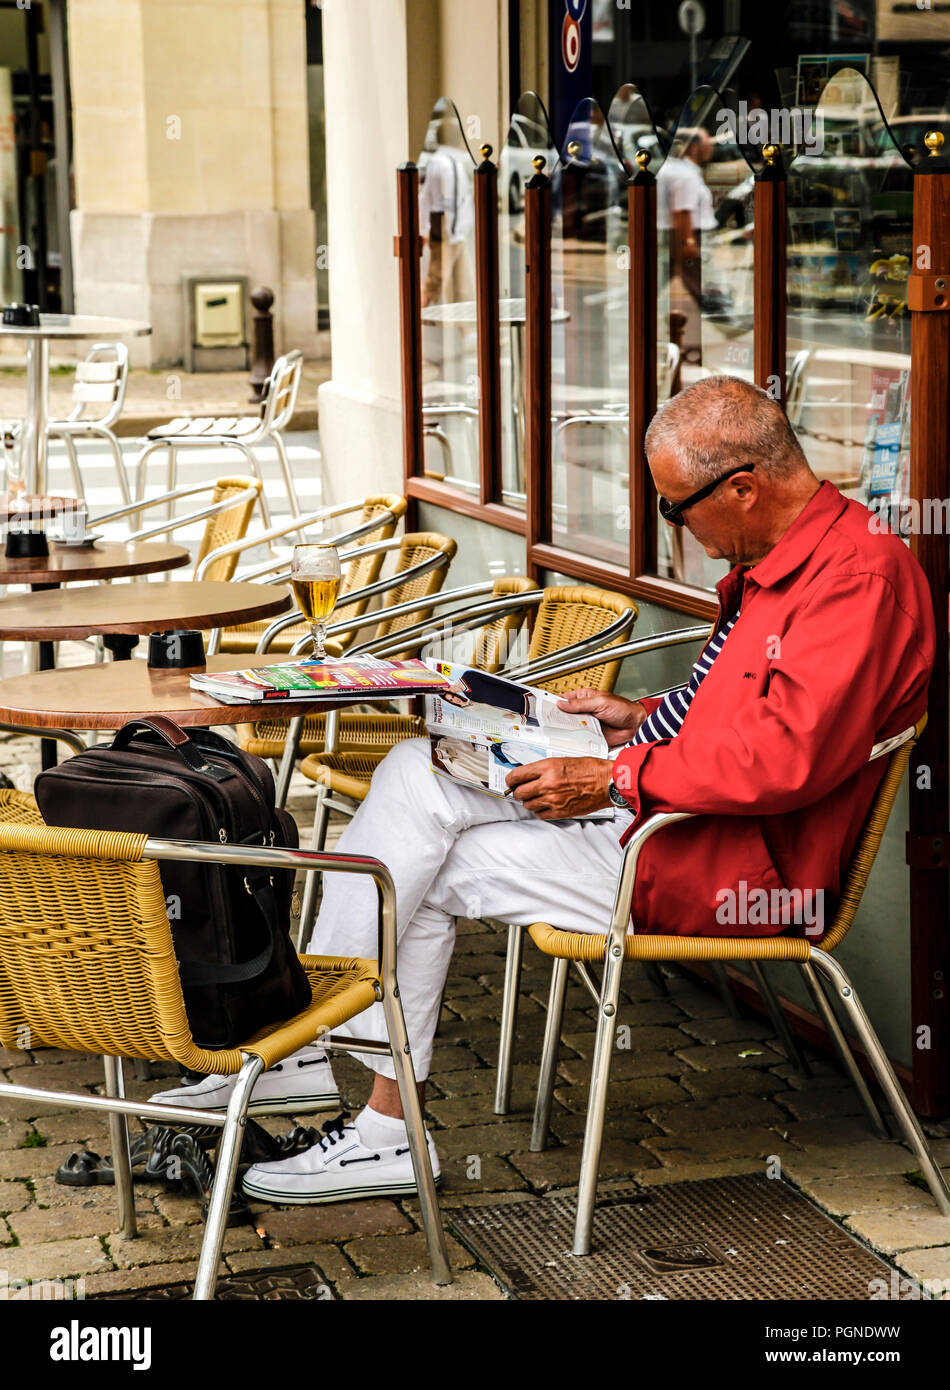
66,564
121,613
72,327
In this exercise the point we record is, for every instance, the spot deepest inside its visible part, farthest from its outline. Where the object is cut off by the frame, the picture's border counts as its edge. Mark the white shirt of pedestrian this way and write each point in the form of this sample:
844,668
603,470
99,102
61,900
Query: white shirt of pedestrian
448,189
681,187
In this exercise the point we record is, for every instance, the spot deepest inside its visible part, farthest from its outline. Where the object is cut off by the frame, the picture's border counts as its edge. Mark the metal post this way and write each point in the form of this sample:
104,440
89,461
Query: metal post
119,1139
509,1018
262,347
229,1151
548,1073
33,440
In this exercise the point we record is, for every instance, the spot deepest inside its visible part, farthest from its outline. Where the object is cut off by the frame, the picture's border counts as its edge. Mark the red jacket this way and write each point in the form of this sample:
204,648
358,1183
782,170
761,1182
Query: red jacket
832,652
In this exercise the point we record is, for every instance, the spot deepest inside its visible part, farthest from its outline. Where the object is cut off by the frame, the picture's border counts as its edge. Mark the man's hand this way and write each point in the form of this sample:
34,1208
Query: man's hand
560,788
619,718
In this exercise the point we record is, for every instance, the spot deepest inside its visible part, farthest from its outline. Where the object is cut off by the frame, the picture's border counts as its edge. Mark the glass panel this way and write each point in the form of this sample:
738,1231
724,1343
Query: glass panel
705,279
849,247
528,135
589,398
449,334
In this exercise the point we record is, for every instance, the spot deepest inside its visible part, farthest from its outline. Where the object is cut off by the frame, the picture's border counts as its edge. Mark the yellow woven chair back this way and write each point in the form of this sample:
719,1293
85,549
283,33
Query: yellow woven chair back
227,526
493,641
416,547
569,613
86,956
869,841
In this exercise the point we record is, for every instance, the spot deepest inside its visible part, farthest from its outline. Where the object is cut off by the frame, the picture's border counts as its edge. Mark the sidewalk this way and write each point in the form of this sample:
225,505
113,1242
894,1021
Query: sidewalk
698,1094
154,397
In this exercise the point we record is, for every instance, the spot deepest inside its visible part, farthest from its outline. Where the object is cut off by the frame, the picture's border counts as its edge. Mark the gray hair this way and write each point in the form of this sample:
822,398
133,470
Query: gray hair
721,422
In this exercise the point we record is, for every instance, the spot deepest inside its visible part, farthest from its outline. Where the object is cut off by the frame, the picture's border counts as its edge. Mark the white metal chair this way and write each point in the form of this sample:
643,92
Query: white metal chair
101,379
232,432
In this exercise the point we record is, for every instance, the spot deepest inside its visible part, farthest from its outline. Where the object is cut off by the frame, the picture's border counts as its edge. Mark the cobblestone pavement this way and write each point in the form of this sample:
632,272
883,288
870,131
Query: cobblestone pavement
696,1094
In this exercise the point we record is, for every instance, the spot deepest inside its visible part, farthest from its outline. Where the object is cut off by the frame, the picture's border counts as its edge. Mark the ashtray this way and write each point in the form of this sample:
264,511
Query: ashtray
75,543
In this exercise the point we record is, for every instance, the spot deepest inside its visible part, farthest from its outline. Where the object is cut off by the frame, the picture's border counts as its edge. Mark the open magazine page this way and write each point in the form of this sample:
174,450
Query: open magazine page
483,726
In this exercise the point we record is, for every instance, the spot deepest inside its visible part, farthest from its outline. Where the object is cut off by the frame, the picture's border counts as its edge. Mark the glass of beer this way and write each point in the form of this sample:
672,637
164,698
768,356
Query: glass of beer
315,577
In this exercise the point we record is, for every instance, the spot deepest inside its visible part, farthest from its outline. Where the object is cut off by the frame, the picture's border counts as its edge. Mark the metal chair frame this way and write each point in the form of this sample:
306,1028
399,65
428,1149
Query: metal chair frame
233,1121
279,403
175,522
76,427
736,948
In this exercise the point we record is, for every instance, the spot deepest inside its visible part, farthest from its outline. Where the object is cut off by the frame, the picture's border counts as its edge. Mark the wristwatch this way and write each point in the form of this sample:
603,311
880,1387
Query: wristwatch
617,797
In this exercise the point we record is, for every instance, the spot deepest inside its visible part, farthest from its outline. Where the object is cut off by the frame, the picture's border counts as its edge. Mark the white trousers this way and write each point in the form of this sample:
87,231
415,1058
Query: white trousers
454,852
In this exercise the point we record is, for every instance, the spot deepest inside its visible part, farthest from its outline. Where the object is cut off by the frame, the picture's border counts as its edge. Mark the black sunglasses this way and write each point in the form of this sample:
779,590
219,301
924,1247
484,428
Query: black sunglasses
673,511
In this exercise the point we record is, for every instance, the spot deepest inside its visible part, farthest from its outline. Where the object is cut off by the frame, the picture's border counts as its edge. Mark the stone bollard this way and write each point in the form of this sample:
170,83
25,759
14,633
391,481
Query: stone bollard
262,349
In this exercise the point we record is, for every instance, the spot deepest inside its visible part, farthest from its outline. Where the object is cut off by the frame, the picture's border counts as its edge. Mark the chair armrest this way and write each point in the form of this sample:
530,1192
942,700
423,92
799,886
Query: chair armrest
623,898
142,506
299,523
565,662
459,620
307,861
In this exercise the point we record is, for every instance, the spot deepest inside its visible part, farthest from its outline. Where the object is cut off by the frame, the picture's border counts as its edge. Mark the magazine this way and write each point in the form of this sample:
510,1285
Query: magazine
312,680
483,726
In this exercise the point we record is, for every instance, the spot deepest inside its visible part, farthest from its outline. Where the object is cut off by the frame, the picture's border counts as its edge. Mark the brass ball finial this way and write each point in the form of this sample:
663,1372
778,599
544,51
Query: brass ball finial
934,142
643,158
574,149
485,151
770,152
539,162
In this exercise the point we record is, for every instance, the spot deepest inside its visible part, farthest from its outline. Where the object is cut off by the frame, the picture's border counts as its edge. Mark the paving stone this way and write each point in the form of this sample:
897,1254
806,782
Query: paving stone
467,1286
626,1066
480,1081
491,1005
78,1074
452,1201
751,1142
697,1003
57,1259
887,1193
401,1254
13,1133
901,1230
35,1226
179,1208
466,1110
471,943
619,1124
483,1139
727,1054
723,1030
831,1132
173,1243
329,1259
930,1267
625,1095
824,1073
733,1081
14,1196
451,1057
638,1040
14,1057
49,1193
868,1159
460,988
489,1175
697,1172
721,1113
560,1167
122,1280
336,1221
32,1163
830,1101
78,1127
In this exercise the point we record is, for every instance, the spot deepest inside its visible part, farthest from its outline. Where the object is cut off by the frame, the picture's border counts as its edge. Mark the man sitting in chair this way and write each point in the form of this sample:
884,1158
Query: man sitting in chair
823,646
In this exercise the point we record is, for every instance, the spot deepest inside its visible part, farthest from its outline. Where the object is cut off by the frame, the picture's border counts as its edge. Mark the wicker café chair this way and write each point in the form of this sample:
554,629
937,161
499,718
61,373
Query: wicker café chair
374,519
422,564
87,964
227,516
619,945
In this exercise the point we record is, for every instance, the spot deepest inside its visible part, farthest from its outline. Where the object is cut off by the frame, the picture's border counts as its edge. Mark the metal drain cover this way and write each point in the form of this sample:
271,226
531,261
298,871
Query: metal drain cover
747,1237
288,1283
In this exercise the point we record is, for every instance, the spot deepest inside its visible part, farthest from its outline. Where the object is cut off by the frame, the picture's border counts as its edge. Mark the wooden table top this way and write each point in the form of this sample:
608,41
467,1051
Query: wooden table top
60,615
107,696
104,560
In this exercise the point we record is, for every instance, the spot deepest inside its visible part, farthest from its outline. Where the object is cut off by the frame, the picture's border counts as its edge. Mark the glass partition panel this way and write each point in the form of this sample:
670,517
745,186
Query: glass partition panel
704,280
529,135
449,333
589,397
849,253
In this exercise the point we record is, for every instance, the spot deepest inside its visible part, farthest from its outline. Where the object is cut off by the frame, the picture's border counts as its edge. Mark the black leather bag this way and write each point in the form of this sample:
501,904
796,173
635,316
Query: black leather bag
230,925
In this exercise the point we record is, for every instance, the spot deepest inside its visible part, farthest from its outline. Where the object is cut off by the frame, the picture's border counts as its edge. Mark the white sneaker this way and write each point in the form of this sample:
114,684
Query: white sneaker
300,1083
338,1168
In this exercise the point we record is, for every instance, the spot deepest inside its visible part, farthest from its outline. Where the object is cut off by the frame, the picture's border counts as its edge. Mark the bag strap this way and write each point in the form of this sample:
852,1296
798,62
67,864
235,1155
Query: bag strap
175,738
199,972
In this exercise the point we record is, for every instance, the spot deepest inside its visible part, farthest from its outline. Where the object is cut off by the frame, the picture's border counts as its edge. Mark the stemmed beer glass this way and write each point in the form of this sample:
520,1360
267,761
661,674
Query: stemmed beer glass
315,577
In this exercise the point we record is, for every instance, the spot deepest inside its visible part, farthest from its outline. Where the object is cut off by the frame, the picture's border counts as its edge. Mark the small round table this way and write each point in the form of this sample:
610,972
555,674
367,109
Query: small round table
33,441
131,610
68,564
